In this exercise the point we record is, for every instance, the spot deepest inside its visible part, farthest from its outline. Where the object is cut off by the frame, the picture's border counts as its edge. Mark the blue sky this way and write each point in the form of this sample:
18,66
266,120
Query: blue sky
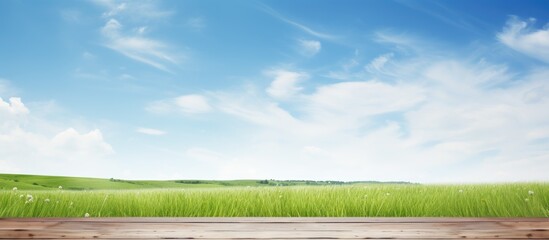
423,91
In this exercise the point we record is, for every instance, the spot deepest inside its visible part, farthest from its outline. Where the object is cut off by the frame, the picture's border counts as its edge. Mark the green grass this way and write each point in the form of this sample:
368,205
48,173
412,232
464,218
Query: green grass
373,200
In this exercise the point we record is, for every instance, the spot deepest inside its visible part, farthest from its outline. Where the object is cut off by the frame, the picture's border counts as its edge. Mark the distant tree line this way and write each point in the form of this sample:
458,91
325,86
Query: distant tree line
121,180
189,181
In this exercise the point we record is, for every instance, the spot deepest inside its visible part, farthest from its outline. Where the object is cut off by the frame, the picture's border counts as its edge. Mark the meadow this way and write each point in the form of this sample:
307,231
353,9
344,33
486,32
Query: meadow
190,199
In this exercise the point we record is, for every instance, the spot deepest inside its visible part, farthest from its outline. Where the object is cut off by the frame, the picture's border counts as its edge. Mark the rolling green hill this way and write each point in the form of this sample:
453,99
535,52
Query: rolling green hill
38,182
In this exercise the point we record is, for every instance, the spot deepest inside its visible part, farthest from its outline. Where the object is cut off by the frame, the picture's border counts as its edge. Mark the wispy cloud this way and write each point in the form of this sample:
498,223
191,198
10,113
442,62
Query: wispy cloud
196,23
150,131
134,10
71,15
404,42
521,36
437,10
88,55
347,71
298,25
309,48
378,63
152,52
135,44
255,110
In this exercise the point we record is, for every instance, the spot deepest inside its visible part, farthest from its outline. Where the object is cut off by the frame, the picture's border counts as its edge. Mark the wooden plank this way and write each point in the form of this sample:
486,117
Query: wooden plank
279,219
539,226
116,234
289,238
278,228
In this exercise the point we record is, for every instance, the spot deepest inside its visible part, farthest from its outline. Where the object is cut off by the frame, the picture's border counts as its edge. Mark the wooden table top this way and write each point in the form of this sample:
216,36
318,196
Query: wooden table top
274,228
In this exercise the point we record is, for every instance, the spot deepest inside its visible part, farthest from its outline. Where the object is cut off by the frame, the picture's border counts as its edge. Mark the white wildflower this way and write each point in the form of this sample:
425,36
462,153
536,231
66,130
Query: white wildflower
47,200
14,189
21,196
460,191
530,192
87,215
60,187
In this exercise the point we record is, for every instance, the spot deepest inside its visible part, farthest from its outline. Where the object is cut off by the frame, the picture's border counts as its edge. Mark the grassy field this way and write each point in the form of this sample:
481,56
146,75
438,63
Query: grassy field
45,199
37,182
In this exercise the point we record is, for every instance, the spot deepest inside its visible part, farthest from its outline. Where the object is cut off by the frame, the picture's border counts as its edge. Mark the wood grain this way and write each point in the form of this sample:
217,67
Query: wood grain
274,228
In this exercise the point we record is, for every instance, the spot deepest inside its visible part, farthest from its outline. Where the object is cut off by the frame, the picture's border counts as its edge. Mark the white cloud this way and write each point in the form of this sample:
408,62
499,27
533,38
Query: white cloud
439,121
521,36
309,48
32,144
141,30
365,98
378,63
150,131
285,83
71,142
13,107
193,103
115,9
330,109
426,117
111,27
126,76
187,104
